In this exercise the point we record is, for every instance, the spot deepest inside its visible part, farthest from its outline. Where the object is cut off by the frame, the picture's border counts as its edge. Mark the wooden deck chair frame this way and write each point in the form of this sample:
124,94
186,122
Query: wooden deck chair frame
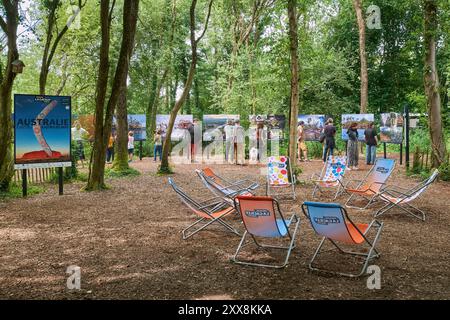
270,187
318,179
400,199
227,192
286,222
210,211
372,252
376,188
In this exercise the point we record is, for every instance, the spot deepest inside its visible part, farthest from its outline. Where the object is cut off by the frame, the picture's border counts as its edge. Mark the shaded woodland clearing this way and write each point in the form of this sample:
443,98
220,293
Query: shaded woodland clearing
128,244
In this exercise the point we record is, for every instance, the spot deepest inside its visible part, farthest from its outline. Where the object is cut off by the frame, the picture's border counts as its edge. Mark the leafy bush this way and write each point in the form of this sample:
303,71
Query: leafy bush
444,171
15,191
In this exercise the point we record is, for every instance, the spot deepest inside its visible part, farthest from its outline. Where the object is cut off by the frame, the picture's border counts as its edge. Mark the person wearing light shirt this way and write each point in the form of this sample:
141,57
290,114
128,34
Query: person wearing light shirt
78,135
229,143
239,142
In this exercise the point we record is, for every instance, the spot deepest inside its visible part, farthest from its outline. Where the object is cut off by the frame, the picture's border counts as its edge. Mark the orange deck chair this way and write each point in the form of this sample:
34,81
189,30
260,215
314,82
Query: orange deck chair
262,218
372,185
209,211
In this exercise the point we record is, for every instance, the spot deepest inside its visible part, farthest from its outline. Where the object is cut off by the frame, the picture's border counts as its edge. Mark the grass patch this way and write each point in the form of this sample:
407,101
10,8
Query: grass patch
128,173
15,191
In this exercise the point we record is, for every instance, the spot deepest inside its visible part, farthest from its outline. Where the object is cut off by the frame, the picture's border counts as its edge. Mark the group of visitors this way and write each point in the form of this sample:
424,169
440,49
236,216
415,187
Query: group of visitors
328,138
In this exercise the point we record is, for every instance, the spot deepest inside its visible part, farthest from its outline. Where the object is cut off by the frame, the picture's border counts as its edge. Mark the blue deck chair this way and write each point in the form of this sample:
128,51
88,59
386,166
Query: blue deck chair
370,188
208,211
262,218
331,221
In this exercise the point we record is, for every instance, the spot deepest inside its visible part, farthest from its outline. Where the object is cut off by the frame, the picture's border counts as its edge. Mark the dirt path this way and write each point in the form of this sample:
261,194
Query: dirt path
128,245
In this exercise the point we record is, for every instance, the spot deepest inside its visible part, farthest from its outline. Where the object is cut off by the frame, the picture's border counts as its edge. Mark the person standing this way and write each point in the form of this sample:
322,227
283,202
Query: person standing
229,141
352,147
130,146
302,149
78,136
370,136
239,142
330,142
157,149
110,150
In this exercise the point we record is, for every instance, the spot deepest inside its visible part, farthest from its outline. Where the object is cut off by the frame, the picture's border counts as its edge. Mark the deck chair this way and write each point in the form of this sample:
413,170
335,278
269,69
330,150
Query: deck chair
372,185
331,221
208,211
280,179
225,188
331,176
402,198
263,219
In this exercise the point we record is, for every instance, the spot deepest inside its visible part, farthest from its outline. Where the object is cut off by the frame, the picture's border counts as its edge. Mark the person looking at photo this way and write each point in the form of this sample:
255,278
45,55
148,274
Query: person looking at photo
239,142
352,147
130,146
302,149
229,141
370,136
78,136
329,132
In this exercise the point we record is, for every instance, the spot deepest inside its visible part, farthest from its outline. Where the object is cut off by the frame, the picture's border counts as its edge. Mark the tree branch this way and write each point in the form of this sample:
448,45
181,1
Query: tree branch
206,22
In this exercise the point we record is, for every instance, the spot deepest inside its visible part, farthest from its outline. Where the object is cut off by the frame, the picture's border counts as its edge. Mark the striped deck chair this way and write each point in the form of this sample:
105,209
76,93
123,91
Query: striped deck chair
225,188
370,188
262,218
402,198
331,176
208,211
331,221
280,179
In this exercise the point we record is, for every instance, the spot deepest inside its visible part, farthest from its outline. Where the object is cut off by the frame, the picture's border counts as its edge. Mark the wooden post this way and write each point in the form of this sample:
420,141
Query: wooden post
61,180
24,183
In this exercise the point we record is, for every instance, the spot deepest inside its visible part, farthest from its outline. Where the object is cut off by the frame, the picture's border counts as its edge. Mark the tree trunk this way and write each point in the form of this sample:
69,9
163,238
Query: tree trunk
164,168
9,28
431,84
293,41
103,127
362,56
121,152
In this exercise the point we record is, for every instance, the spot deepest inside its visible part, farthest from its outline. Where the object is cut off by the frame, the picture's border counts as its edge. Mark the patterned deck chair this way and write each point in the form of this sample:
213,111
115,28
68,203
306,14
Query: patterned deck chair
263,219
331,176
402,198
209,211
331,221
372,185
225,188
280,179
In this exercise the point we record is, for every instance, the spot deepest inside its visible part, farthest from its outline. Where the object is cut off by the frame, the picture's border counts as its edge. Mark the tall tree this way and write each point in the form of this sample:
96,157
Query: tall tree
164,168
50,46
293,48
7,76
362,56
431,83
103,122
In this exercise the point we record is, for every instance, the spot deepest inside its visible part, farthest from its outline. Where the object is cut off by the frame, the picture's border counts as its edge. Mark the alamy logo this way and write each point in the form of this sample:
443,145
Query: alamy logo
257,213
327,220
74,279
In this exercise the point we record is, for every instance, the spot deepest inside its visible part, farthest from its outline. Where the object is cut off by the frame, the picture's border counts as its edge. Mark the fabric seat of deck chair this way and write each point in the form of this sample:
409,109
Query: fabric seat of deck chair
373,183
259,215
211,210
219,187
279,176
402,200
332,174
331,221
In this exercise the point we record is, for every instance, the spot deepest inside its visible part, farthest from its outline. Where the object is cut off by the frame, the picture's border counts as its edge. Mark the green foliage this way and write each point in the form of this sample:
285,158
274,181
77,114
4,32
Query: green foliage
444,171
129,173
15,191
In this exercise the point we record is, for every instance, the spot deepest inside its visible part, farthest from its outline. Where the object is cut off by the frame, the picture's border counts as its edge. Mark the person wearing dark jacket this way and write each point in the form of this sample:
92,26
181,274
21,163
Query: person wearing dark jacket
352,147
330,142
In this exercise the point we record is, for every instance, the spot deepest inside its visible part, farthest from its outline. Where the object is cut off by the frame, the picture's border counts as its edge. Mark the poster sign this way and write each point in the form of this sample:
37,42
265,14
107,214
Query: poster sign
314,124
213,125
391,129
362,120
136,123
42,131
275,125
182,123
